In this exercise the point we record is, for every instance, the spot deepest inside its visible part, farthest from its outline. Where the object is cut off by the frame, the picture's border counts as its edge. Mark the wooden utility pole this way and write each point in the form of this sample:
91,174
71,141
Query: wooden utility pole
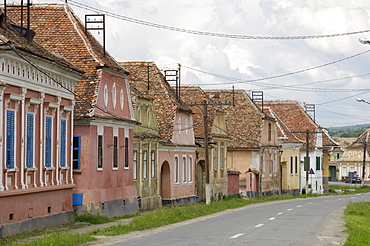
307,161
363,164
206,157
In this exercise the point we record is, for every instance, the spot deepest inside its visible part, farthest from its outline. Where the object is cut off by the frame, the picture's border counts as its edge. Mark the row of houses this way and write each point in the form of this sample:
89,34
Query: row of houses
81,132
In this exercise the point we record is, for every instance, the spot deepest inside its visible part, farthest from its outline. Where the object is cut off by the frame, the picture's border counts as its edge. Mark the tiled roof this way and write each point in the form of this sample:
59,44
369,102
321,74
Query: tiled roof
10,36
154,85
284,134
244,119
60,31
195,95
360,141
298,121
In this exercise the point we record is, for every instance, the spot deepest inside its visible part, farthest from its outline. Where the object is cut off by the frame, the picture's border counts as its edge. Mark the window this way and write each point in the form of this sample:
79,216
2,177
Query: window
296,164
176,170
222,157
76,152
318,165
215,158
263,162
145,163
63,142
100,151
152,157
115,152
190,168
126,152
271,163
48,141
270,132
183,169
30,140
134,162
10,137
291,165
114,95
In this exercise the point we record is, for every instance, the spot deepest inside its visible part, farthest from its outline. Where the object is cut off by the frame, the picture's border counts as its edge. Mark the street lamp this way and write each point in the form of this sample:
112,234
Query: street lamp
362,100
364,40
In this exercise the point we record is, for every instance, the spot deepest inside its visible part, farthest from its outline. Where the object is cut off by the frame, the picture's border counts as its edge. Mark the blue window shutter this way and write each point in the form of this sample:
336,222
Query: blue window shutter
30,137
48,138
63,140
10,124
76,152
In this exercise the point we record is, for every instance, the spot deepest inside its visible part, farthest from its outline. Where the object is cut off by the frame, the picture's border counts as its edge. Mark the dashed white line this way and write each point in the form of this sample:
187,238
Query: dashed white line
259,225
289,209
272,218
309,203
299,206
237,235
280,213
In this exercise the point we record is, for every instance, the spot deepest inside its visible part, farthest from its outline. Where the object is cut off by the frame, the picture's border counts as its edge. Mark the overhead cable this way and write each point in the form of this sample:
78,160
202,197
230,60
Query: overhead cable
204,33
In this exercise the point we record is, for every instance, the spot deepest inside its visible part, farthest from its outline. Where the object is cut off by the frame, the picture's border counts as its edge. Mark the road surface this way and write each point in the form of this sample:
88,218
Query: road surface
311,221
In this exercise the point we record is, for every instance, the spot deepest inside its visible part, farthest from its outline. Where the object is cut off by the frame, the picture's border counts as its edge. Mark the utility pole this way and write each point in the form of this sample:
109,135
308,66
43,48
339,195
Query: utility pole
307,162
363,164
206,137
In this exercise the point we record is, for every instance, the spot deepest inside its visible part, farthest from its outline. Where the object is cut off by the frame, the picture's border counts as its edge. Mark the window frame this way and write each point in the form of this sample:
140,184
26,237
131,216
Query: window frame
48,161
78,150
10,139
100,144
176,169
183,168
145,164
63,143
115,153
30,140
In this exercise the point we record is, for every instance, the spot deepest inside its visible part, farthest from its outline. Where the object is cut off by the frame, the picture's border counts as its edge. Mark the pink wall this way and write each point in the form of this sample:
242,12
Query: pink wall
121,107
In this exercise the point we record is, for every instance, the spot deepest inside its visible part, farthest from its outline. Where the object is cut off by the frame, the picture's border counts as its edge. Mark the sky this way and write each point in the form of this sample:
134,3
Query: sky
327,72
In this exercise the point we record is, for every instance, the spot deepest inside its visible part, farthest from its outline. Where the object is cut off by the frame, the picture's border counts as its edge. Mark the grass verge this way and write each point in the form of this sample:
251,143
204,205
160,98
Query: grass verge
357,216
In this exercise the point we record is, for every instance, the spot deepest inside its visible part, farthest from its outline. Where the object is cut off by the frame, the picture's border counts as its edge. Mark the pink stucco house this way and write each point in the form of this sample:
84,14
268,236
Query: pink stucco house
104,120
36,131
176,149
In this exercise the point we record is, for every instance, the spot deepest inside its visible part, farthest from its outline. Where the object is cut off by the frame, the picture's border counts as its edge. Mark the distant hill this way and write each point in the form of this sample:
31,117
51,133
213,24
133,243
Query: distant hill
347,131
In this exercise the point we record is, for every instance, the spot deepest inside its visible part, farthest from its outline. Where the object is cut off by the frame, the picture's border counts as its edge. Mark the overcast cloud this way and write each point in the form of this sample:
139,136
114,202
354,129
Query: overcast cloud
252,59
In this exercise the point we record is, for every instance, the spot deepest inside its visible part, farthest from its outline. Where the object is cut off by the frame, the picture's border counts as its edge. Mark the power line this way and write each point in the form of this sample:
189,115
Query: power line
204,33
289,87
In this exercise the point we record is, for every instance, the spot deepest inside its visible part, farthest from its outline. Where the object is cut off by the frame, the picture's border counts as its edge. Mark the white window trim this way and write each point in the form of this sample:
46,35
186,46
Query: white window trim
176,169
184,169
190,169
115,134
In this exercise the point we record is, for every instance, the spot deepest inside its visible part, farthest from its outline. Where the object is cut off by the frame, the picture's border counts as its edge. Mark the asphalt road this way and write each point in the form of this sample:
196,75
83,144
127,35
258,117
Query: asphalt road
312,221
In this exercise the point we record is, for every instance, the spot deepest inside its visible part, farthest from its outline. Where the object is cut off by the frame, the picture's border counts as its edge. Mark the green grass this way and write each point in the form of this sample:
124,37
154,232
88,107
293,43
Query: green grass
61,239
357,216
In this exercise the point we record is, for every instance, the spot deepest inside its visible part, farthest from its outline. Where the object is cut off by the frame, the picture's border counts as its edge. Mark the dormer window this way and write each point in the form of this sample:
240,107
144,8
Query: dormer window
114,95
106,95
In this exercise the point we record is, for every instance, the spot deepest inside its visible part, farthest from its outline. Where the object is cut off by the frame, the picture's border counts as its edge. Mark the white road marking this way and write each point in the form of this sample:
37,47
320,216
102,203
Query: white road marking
299,206
272,218
280,213
259,225
289,209
309,203
237,235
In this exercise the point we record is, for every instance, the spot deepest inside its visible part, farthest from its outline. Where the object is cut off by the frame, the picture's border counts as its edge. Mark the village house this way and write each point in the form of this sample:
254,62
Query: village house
289,151
103,114
253,149
355,158
145,152
176,150
217,184
313,175
36,131
336,155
